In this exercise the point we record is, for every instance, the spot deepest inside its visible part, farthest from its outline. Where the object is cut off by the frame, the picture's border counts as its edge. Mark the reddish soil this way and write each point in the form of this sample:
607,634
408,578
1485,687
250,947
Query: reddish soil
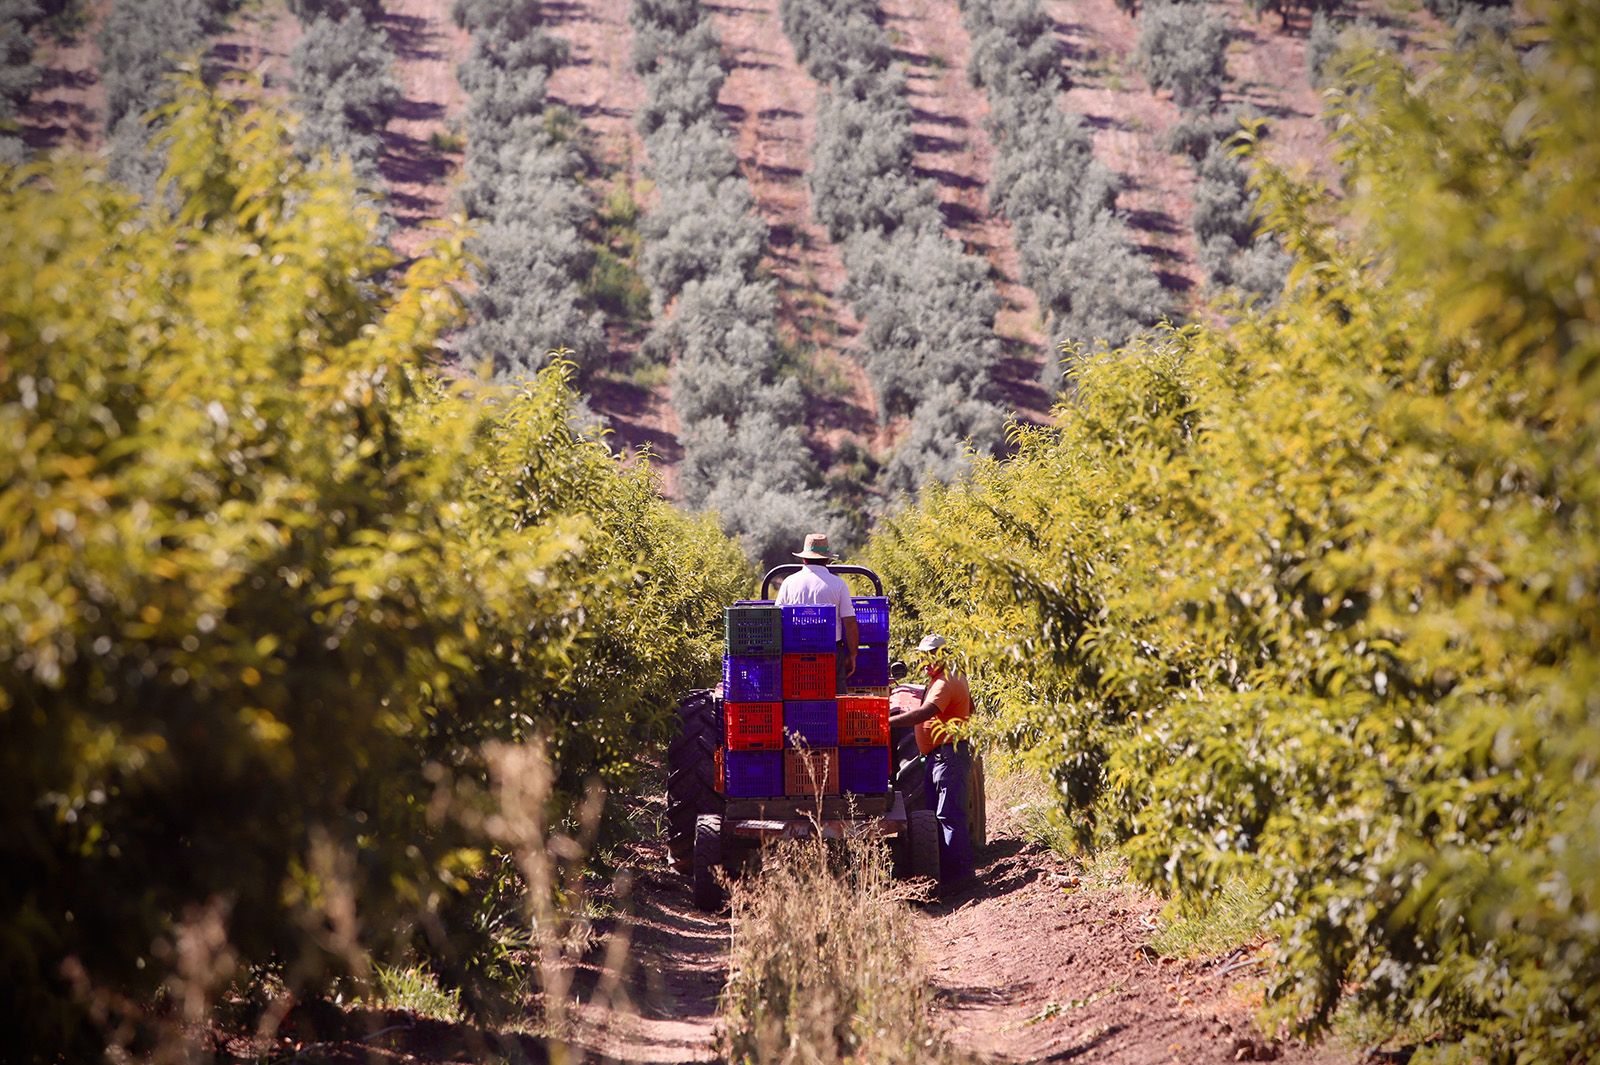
1030,965
676,966
420,157
67,110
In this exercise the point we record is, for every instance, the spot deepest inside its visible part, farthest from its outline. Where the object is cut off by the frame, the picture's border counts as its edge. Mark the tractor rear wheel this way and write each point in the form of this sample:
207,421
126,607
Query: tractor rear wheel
922,845
692,773
708,862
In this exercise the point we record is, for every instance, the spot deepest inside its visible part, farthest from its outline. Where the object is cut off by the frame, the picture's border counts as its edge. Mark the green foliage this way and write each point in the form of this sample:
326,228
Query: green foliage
1184,49
1311,598
345,91
524,187
1076,253
745,454
267,587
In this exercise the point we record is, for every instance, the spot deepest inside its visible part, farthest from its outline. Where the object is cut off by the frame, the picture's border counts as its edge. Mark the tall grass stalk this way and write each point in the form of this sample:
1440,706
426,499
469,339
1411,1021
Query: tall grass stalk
824,963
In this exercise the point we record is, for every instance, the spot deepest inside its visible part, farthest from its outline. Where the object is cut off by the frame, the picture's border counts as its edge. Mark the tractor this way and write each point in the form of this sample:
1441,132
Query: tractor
708,832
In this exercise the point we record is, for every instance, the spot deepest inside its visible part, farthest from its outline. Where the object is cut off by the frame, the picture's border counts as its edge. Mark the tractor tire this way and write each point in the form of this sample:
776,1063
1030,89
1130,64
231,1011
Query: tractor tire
922,845
708,862
692,773
977,806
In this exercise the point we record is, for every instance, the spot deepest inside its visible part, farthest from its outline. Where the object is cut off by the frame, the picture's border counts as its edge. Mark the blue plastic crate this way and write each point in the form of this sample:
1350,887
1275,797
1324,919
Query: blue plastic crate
752,774
810,629
811,723
864,770
872,667
872,617
752,678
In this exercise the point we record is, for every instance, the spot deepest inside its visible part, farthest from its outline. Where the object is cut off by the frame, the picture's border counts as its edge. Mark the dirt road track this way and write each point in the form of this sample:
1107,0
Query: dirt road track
1032,964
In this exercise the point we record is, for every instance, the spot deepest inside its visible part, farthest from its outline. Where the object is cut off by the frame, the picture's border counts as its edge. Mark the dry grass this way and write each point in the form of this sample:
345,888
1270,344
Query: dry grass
824,964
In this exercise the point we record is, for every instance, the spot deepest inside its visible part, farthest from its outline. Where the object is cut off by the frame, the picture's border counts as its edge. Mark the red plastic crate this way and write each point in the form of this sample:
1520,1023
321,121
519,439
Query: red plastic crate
809,676
812,772
863,721
754,726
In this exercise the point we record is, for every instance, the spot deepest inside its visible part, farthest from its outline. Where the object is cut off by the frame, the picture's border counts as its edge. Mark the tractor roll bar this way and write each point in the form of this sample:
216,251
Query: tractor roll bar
787,568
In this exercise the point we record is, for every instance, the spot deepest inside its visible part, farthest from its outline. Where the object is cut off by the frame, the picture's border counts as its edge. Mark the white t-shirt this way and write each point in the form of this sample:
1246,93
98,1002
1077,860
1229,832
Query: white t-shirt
815,586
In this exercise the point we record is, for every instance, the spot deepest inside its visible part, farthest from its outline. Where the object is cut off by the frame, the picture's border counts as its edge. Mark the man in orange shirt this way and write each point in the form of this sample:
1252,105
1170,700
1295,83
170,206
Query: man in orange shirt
949,758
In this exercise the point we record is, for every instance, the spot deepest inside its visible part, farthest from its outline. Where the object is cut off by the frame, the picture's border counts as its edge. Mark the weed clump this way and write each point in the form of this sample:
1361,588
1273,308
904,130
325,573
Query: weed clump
824,964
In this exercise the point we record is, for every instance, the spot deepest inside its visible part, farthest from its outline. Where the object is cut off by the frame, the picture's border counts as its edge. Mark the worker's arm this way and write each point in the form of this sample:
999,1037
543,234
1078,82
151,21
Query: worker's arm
936,699
852,641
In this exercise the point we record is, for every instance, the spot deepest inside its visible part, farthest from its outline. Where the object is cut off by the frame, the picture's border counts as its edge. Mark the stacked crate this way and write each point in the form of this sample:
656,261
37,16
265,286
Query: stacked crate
752,701
810,709
865,764
872,657
787,730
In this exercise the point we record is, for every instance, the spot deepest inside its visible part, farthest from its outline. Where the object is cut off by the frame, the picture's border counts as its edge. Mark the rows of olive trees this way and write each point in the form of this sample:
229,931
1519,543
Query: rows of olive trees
524,191
927,305
18,74
745,454
141,44
1076,252
1183,48
344,83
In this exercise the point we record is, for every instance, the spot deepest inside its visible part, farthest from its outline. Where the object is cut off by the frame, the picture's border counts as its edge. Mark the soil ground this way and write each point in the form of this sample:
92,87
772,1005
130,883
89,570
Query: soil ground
1033,962
1038,962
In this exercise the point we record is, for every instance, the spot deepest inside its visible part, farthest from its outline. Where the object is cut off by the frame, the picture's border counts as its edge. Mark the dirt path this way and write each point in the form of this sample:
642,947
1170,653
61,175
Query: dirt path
677,964
1039,963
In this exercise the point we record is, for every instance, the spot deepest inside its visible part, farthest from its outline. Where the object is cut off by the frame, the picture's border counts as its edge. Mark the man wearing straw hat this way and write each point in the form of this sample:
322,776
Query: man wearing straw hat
814,585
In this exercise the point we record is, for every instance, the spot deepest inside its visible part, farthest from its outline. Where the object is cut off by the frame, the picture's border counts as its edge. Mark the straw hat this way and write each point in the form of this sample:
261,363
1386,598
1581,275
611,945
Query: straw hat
816,549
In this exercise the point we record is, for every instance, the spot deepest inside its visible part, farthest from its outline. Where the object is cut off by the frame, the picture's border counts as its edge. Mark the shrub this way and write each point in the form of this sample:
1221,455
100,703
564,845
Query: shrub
345,91
742,413
928,307
1075,253
838,41
141,43
1225,227
1013,48
1292,597
268,587
1184,49
524,183
1331,47
700,230
309,11
861,161
824,965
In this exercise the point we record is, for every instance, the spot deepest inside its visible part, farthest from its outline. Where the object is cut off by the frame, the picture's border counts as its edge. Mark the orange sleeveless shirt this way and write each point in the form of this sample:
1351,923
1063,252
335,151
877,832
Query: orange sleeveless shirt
953,697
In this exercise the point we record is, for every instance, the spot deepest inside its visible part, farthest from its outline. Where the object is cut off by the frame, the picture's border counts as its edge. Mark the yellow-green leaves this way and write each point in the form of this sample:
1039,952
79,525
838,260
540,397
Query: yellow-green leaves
267,585
1313,593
